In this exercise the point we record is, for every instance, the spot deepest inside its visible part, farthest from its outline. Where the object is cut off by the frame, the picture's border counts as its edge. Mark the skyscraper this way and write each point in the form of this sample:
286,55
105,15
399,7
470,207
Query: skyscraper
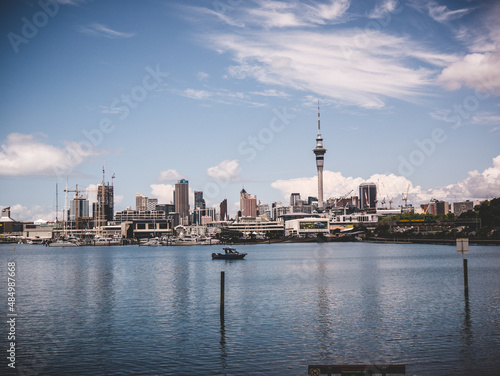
319,151
181,200
294,199
223,210
78,207
103,209
248,204
141,202
368,196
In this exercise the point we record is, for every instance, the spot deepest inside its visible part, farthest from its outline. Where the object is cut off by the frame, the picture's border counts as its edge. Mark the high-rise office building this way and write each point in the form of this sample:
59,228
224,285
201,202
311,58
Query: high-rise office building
294,199
103,209
199,207
181,200
78,208
248,204
141,202
368,196
319,151
152,202
223,210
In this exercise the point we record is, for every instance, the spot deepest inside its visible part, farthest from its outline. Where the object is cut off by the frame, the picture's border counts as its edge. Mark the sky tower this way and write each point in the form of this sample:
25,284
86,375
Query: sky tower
320,151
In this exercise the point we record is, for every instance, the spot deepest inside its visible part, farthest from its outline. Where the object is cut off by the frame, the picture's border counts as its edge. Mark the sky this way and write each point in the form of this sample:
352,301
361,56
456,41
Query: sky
225,94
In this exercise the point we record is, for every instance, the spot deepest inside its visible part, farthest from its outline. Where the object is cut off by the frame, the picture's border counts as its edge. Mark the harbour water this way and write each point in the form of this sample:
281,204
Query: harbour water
130,310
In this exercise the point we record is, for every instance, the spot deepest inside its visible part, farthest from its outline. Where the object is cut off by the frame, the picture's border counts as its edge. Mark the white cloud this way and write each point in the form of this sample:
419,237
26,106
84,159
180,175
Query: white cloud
271,93
197,94
23,213
478,185
441,13
169,175
164,193
383,8
202,76
226,170
24,154
104,31
477,71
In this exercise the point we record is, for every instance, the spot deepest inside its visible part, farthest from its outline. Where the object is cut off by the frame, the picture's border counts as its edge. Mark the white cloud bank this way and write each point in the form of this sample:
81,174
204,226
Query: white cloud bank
478,185
24,154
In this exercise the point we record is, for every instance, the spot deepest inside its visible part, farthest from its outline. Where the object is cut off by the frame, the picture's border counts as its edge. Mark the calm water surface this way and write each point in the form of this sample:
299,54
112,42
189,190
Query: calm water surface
155,310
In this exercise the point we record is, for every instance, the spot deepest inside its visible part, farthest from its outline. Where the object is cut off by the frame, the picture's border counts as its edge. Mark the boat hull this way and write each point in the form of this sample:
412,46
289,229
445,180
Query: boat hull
220,256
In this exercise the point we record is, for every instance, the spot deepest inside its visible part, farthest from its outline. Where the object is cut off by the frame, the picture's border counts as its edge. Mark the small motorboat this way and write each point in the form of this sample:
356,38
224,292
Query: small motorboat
229,254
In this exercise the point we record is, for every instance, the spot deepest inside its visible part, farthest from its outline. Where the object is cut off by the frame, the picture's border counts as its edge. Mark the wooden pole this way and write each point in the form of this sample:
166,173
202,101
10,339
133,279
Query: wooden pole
222,287
466,277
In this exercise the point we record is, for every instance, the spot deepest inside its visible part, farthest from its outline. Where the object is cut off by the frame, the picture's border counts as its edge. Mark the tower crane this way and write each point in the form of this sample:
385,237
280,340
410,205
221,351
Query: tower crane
405,197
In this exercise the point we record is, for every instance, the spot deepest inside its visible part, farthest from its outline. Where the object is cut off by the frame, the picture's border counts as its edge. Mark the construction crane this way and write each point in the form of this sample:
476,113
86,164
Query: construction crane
405,197
390,199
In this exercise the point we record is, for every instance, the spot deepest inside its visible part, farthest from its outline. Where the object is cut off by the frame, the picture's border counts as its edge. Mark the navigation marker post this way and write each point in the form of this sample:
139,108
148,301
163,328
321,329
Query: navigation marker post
463,248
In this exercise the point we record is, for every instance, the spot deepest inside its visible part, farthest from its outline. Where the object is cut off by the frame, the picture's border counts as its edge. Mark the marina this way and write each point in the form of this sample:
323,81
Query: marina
155,310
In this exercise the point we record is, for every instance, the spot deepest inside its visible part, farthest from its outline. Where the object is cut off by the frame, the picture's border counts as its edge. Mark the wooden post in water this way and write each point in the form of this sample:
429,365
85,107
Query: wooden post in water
222,287
463,248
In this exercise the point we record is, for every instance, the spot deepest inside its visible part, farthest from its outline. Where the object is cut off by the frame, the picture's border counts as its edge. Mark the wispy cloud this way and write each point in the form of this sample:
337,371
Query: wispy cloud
441,13
335,65
281,14
270,93
99,30
383,8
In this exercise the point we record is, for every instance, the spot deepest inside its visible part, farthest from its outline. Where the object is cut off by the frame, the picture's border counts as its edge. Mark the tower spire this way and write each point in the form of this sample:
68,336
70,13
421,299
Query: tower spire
319,131
319,151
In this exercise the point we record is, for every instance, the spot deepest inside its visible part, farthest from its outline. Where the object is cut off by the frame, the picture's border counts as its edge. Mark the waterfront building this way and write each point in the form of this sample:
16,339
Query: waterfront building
248,204
7,224
148,228
181,200
345,217
319,151
257,227
302,227
368,197
129,215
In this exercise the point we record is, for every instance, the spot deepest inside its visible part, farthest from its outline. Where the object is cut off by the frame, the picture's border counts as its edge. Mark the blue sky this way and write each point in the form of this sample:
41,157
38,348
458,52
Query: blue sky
224,93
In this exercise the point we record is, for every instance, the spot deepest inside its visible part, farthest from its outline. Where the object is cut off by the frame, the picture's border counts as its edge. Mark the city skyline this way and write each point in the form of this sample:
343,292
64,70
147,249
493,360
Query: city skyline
224,95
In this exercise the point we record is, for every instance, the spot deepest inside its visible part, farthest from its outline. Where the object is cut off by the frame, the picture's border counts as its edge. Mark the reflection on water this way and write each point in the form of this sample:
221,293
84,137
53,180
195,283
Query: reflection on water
155,311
